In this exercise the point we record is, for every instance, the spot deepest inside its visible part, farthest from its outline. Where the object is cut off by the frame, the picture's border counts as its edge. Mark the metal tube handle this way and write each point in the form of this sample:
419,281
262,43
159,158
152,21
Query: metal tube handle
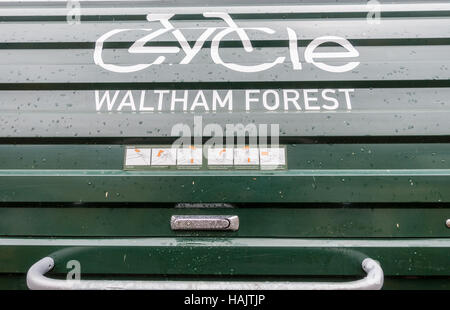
36,280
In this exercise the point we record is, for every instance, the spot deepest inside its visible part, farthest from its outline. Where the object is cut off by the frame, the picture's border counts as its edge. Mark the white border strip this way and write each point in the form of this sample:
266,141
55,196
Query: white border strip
349,8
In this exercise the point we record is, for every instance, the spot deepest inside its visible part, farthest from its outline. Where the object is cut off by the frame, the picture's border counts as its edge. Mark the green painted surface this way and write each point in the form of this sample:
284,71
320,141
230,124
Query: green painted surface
251,187
299,156
316,173
254,222
398,192
400,87
232,256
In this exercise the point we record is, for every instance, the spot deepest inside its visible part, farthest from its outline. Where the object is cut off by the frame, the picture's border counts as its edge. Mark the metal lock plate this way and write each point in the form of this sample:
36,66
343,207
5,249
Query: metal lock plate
204,222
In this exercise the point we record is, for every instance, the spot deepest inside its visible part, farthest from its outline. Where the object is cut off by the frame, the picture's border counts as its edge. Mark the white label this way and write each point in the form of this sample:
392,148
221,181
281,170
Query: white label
138,157
272,157
246,156
164,157
220,156
189,156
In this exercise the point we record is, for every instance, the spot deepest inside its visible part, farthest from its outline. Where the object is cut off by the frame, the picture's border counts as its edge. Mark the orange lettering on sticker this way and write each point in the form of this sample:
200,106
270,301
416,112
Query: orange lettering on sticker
192,160
248,159
223,151
159,153
264,153
137,150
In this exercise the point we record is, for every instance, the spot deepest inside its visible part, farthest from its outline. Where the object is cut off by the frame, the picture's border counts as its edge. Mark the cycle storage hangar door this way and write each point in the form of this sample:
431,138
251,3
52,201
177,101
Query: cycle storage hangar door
242,144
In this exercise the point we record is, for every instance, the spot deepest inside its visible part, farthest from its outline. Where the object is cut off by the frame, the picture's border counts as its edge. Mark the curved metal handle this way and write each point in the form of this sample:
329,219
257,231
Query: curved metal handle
37,281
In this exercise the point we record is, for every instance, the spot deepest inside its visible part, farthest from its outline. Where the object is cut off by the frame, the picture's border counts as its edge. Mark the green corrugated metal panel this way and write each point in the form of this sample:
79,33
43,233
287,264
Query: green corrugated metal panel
317,222
231,256
367,178
400,86
337,186
317,173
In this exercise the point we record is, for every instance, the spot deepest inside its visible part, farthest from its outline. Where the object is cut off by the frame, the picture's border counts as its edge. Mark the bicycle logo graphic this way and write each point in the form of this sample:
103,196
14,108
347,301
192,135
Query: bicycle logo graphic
139,47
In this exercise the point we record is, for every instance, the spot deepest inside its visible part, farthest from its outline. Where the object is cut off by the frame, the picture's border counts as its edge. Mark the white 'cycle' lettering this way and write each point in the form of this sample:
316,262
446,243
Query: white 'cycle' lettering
139,47
245,41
